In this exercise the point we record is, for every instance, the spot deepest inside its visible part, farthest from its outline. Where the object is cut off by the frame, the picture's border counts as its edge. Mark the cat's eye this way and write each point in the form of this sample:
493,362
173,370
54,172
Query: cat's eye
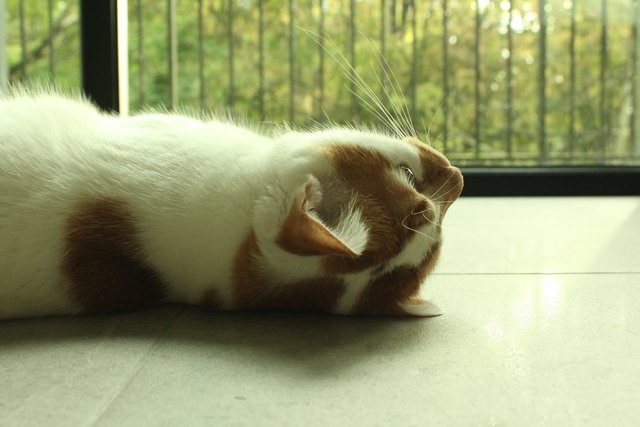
408,173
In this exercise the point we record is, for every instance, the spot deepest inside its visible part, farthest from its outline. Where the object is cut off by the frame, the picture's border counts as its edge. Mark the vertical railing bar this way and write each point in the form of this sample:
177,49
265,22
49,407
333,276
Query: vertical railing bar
542,83
261,58
604,134
103,53
321,53
477,80
633,119
414,62
292,61
445,73
392,17
122,55
52,64
572,79
201,80
352,58
4,61
383,51
141,52
173,54
231,100
23,42
509,123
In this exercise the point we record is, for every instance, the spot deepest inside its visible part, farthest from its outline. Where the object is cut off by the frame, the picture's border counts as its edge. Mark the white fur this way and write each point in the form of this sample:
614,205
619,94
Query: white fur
196,188
390,147
351,228
355,286
413,253
423,309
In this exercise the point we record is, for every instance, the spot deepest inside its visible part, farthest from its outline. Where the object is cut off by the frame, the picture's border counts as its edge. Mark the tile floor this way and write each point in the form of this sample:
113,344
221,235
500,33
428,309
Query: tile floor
542,327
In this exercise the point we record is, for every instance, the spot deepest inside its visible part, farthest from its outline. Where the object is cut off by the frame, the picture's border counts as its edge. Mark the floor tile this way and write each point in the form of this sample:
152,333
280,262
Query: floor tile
65,371
561,234
511,350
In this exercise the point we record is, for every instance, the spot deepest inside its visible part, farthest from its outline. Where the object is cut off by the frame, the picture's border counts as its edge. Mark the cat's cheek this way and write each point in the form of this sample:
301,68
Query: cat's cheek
395,292
103,259
385,241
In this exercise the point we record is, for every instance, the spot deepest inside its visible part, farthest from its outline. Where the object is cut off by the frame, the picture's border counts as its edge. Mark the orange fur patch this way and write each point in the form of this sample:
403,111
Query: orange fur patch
382,294
255,289
385,203
364,171
103,259
211,299
439,177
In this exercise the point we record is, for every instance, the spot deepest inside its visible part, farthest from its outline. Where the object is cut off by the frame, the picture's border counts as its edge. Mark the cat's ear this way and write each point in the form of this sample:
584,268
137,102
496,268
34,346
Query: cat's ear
303,233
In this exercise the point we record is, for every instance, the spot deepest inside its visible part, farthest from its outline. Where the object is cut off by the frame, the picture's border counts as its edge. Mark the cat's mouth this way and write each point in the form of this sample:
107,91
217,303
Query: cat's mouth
448,192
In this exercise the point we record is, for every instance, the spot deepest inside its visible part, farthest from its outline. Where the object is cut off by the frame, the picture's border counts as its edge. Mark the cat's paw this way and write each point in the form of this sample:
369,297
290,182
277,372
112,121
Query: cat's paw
419,307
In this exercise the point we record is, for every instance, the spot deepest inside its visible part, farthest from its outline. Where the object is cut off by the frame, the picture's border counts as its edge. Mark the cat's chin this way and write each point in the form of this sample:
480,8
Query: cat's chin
419,307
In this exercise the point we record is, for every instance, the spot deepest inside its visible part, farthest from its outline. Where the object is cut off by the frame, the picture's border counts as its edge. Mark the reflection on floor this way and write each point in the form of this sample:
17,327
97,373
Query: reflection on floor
542,327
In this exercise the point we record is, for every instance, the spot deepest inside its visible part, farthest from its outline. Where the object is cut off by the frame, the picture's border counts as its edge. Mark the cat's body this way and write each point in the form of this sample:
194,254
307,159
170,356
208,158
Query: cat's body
101,213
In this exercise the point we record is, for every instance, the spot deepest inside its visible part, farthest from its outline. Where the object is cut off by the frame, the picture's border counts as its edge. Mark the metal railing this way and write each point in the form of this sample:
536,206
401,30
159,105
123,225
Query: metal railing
4,65
493,82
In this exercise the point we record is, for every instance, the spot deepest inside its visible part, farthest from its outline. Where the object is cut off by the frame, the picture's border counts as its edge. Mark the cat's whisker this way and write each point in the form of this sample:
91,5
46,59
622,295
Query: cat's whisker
397,90
438,199
405,226
431,221
405,116
389,121
357,80
403,122
405,113
441,187
425,217
376,113
438,110
425,133
381,111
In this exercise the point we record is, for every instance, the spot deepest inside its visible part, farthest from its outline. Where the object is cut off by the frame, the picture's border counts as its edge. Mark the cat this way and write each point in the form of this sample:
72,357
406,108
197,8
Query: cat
102,213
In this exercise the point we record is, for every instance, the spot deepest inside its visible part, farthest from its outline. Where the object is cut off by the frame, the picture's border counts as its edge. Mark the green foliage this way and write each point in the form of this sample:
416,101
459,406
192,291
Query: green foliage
33,61
588,116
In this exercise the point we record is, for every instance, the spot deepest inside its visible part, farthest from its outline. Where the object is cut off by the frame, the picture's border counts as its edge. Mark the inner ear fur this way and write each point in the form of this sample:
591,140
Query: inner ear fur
302,233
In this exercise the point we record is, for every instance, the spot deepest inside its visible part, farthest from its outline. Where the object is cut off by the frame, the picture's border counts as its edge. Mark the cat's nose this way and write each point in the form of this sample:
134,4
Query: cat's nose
457,173
451,184
447,171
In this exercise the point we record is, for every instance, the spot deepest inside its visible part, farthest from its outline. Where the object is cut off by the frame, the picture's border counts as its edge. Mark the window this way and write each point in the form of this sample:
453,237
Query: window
529,97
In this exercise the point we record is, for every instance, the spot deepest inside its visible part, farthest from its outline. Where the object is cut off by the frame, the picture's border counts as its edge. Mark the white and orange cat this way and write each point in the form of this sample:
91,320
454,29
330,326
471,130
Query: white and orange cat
102,213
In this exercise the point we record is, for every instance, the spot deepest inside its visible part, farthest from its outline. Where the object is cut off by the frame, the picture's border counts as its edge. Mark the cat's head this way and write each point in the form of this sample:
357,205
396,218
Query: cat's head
351,214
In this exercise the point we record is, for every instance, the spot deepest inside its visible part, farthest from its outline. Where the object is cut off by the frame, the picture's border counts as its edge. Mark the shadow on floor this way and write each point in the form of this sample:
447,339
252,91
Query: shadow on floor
315,344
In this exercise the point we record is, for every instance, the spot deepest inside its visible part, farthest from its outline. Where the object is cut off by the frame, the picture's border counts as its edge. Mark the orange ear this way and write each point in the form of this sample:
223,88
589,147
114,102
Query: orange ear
302,234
